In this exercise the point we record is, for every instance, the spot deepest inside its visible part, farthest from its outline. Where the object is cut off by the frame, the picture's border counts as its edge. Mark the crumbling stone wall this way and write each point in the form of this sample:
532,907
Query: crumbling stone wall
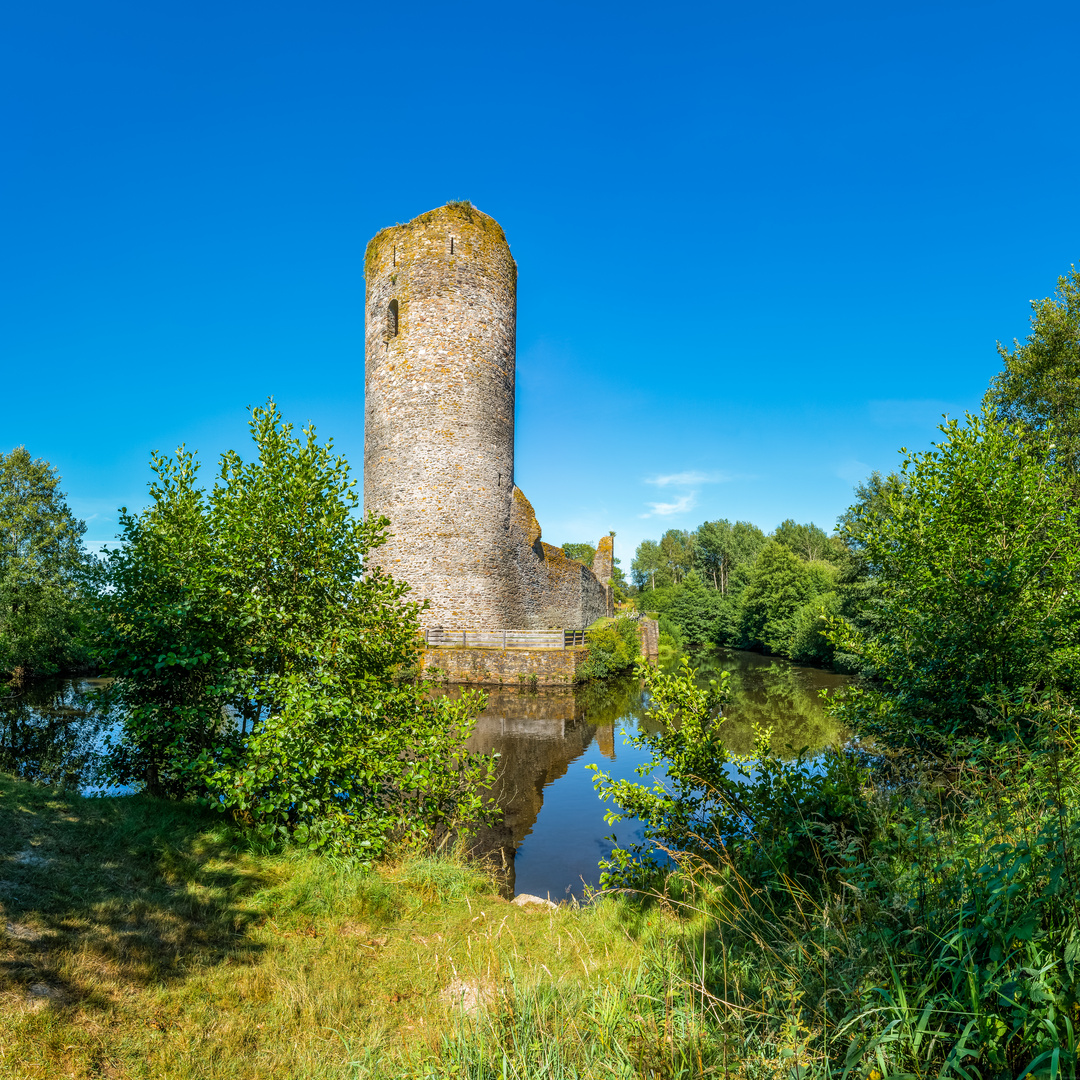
603,563
554,589
441,313
649,632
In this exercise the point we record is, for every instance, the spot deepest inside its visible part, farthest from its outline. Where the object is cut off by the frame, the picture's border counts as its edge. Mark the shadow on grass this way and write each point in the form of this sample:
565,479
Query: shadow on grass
103,896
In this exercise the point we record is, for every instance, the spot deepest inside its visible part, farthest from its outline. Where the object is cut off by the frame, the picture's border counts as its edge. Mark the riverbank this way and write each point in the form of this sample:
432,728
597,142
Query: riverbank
146,939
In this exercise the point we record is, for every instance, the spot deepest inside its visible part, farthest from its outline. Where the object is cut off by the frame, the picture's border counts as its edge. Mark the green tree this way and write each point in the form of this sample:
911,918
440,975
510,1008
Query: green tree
809,542
583,553
43,614
722,547
648,568
976,555
1039,385
262,660
779,585
858,593
694,610
677,550
810,642
618,581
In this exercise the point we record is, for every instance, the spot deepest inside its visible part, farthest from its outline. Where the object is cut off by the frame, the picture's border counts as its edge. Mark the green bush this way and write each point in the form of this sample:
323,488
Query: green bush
614,647
809,631
264,665
770,820
974,553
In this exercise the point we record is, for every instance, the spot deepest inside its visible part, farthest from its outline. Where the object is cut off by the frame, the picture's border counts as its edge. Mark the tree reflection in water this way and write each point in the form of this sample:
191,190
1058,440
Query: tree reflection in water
552,831
52,732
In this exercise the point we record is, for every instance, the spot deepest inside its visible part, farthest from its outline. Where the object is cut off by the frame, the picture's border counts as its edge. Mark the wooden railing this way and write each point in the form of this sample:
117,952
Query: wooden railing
503,639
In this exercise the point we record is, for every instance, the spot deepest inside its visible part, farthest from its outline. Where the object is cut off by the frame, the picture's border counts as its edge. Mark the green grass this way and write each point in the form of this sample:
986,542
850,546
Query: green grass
149,939
146,939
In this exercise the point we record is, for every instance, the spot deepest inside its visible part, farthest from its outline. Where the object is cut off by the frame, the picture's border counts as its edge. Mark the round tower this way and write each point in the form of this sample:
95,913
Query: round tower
439,412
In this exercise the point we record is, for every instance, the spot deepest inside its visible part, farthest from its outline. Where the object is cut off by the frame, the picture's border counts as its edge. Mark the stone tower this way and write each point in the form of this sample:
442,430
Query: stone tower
439,410
441,319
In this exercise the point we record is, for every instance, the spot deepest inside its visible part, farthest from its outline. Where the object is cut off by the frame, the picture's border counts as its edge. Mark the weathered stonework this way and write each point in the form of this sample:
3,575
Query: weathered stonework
649,634
441,320
506,667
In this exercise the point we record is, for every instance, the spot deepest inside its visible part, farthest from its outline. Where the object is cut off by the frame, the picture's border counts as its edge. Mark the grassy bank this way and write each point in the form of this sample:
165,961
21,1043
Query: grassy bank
148,939
144,939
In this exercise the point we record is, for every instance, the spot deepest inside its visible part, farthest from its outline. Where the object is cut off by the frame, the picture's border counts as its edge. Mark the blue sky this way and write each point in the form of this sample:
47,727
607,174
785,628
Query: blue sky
761,247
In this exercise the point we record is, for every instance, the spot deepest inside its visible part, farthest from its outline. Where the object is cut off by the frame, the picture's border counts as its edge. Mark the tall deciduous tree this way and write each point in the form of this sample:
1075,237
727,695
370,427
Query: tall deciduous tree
260,655
648,568
721,547
42,560
976,554
1039,385
809,541
677,549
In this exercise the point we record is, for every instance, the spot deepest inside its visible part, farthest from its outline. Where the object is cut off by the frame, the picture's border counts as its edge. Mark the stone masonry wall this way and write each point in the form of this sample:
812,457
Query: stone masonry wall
603,563
555,590
649,632
441,312
506,667
439,411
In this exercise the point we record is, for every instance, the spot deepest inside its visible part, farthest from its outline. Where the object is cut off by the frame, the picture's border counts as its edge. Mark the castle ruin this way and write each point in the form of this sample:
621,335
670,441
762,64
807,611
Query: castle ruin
441,322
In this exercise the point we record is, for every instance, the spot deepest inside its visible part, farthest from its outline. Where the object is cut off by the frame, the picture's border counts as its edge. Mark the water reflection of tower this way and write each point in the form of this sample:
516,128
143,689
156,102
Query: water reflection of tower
537,737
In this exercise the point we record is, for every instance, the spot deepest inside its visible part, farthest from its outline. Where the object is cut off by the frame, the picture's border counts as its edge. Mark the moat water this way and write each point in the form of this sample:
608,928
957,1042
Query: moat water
552,834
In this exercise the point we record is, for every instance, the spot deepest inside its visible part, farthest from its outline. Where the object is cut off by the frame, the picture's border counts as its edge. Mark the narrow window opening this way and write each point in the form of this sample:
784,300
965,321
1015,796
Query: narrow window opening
392,319
499,482
451,245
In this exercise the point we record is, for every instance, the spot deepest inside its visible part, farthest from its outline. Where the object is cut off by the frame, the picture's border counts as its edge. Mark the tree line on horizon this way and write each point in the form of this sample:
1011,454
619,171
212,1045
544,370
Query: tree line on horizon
731,584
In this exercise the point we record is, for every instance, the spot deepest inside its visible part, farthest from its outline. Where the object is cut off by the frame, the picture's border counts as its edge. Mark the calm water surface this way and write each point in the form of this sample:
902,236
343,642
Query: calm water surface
553,831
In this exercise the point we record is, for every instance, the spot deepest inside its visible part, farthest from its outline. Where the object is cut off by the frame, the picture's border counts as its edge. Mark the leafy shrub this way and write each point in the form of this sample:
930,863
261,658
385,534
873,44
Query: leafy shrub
263,664
769,819
809,629
974,552
614,646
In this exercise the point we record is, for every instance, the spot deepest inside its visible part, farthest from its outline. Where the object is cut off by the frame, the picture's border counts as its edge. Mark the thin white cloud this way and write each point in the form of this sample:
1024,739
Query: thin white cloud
687,479
684,502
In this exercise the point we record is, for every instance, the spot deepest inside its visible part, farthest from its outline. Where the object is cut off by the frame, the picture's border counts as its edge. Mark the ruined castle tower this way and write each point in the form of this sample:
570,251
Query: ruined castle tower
439,430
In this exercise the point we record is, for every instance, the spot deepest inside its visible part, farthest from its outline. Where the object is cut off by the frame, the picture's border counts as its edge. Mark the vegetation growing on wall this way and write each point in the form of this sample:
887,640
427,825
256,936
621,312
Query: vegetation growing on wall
614,647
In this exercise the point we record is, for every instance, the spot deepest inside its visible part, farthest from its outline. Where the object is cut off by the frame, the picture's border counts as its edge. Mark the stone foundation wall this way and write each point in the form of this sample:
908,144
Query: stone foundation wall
649,629
506,667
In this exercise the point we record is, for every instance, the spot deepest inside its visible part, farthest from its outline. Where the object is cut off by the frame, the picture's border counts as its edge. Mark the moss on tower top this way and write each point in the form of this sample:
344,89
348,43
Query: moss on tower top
455,210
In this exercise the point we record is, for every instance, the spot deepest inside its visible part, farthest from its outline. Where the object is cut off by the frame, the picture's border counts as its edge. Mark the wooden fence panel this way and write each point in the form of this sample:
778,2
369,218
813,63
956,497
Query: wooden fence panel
503,639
